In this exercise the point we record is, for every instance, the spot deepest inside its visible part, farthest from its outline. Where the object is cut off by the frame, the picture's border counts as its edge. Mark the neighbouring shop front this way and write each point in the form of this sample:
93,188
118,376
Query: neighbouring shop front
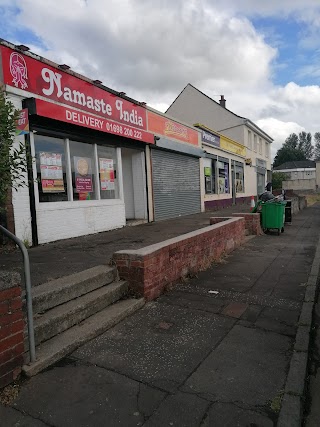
87,149
175,168
223,169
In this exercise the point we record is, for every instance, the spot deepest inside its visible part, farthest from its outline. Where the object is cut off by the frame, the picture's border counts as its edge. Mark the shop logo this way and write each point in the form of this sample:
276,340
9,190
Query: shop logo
176,130
18,70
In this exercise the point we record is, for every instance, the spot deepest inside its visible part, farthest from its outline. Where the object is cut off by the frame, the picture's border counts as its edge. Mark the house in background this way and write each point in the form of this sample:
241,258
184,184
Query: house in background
302,175
194,107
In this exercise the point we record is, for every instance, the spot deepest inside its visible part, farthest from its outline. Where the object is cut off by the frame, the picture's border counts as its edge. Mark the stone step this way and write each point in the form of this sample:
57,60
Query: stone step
59,291
61,345
66,315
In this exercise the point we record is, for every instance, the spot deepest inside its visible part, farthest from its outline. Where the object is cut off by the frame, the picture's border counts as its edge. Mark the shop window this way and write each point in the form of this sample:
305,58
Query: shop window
83,168
51,168
210,177
255,143
223,177
249,140
239,179
107,162
260,146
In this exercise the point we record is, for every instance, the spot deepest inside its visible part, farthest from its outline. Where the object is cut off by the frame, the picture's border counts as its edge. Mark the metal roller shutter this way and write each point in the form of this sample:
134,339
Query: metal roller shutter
176,184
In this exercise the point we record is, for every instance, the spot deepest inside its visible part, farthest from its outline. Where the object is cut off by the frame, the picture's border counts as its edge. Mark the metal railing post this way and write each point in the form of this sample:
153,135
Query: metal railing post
27,277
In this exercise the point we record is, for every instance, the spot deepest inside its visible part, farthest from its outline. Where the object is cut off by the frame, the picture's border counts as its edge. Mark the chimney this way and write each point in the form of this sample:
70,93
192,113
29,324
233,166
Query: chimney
222,101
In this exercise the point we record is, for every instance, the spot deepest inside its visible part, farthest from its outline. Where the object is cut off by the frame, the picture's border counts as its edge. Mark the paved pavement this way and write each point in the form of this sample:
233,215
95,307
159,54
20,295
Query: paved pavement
64,257
214,351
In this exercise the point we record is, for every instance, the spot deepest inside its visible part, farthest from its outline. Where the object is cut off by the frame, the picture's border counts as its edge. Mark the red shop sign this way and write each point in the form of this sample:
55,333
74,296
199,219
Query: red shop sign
69,115
24,72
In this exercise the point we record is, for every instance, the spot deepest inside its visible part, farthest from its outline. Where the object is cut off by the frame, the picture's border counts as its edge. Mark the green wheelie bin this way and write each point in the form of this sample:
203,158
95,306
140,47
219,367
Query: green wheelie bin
273,215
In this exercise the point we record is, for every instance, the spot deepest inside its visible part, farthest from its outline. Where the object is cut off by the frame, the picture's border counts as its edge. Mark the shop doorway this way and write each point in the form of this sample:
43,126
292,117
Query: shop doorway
260,183
134,184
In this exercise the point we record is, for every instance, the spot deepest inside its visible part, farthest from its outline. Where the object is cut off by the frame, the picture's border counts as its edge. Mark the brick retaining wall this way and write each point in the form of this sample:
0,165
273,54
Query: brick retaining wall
151,269
252,222
11,328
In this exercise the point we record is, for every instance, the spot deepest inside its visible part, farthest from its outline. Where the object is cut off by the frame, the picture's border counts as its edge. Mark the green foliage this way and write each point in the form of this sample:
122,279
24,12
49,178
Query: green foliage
13,161
292,141
305,144
316,153
277,178
287,154
291,150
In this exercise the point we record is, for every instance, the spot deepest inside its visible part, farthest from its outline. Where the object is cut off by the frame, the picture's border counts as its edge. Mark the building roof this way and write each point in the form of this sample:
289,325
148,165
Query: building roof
244,120
298,164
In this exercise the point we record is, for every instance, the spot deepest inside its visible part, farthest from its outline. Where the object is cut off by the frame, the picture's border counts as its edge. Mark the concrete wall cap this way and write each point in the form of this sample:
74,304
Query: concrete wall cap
9,280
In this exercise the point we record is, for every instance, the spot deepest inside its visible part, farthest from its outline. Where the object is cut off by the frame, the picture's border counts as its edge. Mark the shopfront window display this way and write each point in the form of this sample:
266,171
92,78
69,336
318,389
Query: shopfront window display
223,177
210,176
83,171
51,168
107,172
239,179
93,170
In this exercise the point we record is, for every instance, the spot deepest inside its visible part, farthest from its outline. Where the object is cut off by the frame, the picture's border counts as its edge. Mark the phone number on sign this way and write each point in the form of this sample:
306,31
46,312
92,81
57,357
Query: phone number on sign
123,130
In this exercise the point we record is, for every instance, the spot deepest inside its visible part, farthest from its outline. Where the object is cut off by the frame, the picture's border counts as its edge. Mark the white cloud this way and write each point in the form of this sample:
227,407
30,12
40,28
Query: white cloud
279,130
151,50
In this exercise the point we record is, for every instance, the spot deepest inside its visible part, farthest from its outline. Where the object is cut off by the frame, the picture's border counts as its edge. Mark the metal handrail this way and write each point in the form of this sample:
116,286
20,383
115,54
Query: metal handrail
27,277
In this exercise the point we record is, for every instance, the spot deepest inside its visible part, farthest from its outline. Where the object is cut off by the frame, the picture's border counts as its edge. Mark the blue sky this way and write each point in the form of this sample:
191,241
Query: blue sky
263,56
284,35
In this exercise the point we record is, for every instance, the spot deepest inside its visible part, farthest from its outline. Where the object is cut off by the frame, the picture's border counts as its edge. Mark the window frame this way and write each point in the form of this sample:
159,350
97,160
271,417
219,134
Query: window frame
71,203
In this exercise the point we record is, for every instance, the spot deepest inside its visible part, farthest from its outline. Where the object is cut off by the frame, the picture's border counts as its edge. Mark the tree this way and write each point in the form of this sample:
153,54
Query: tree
292,141
305,144
292,149
287,154
277,178
316,137
13,159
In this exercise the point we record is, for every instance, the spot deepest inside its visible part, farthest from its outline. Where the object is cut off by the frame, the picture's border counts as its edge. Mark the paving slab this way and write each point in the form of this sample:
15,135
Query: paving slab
230,415
180,410
10,417
193,301
82,396
249,366
140,348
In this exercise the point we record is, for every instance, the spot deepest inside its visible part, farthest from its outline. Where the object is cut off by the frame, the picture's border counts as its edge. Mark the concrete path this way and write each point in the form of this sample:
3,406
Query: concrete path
212,352
65,257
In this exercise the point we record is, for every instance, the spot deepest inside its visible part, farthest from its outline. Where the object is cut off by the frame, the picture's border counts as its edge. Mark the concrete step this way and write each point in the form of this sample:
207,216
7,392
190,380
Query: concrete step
59,291
66,315
61,345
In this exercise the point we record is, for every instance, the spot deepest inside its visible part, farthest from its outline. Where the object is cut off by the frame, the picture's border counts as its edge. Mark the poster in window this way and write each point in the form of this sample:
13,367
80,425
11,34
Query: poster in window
221,183
83,174
207,171
106,174
226,172
51,172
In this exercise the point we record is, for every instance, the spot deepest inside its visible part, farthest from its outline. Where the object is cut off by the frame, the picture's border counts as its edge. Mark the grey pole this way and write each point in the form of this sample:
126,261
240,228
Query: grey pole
27,277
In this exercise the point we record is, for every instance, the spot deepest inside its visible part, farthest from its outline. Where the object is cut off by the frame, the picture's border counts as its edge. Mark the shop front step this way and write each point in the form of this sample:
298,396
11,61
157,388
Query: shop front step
66,315
59,291
61,345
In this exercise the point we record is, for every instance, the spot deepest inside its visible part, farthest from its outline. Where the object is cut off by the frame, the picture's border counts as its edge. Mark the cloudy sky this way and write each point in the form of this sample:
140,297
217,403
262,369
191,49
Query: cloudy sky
264,56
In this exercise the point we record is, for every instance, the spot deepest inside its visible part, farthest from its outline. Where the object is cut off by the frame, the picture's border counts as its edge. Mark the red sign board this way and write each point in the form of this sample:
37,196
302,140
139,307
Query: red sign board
69,115
166,127
36,77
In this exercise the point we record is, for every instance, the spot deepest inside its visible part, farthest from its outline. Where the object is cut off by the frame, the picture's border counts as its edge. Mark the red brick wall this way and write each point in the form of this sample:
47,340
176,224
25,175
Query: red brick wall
252,222
151,269
11,328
